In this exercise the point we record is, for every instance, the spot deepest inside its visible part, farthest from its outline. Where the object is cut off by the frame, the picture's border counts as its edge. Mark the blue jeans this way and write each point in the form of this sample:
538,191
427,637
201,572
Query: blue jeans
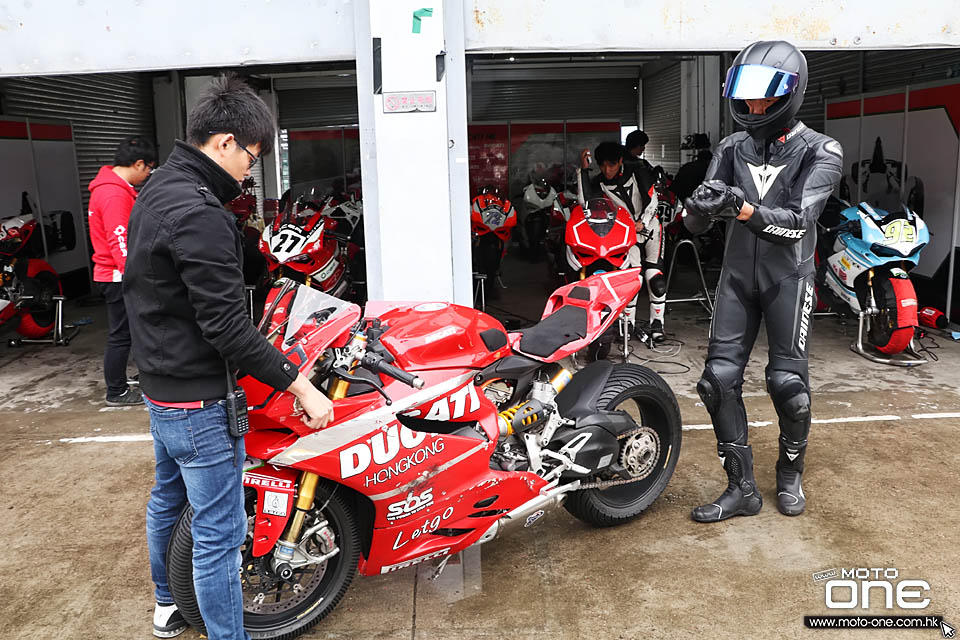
198,461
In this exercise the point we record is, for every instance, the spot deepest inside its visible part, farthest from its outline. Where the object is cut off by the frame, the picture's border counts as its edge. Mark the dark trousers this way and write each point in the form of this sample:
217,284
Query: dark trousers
118,339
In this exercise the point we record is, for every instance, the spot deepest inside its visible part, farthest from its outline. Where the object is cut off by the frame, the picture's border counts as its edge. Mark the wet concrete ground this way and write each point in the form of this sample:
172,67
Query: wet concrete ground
882,484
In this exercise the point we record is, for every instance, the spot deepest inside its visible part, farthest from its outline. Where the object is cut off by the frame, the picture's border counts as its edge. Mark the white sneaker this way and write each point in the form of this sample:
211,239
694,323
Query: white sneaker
168,622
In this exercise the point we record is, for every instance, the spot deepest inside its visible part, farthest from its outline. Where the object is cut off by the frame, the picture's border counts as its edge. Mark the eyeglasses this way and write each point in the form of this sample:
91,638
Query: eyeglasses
253,158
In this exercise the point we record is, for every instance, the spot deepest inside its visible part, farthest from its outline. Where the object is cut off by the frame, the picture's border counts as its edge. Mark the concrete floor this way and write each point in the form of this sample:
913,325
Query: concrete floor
882,483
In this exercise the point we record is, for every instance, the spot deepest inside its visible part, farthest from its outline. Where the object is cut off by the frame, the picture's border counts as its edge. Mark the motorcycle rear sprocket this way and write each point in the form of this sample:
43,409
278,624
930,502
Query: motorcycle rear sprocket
603,484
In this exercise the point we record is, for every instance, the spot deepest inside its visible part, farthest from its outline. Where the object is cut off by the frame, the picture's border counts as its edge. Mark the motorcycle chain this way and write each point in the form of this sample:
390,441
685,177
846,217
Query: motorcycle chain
603,484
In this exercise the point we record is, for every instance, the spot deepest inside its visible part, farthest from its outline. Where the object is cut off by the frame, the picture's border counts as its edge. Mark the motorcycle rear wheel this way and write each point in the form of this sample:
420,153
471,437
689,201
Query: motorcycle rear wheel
884,333
648,399
324,584
38,315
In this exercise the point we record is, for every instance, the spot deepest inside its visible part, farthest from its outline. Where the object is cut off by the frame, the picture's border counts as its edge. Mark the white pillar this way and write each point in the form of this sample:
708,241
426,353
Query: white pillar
413,175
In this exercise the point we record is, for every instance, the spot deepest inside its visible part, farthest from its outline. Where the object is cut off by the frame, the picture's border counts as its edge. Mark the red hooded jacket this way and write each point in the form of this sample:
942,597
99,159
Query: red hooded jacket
111,199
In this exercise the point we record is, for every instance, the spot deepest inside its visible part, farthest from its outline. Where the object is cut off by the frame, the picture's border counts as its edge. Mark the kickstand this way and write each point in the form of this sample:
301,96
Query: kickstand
440,568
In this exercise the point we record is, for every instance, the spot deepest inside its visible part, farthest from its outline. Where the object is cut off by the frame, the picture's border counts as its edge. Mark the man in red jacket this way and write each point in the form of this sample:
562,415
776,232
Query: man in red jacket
112,195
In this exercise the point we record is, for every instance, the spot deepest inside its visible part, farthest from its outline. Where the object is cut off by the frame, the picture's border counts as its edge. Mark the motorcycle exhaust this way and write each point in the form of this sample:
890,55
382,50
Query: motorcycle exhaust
528,513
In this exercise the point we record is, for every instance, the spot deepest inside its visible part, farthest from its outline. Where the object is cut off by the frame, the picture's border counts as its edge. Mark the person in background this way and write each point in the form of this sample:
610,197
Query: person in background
691,175
112,194
631,186
635,145
188,319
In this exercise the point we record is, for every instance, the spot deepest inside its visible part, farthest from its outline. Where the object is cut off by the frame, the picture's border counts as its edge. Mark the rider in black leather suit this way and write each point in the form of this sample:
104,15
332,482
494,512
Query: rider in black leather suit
771,183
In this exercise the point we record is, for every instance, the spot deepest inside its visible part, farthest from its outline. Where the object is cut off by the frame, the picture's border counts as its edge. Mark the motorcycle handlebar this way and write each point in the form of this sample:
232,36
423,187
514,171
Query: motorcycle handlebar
377,364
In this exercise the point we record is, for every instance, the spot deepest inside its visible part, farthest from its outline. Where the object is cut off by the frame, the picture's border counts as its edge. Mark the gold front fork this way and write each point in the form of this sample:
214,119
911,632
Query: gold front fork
308,479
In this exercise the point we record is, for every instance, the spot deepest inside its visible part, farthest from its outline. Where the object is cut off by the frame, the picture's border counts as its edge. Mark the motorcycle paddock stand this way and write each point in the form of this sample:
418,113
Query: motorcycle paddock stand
702,296
62,334
480,290
913,357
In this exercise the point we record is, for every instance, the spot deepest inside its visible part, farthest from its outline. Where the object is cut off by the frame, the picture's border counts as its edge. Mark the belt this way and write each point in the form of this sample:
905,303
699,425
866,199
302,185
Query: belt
196,404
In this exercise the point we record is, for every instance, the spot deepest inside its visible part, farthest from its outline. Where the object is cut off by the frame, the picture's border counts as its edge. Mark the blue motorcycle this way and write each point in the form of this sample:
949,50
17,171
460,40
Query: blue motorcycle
865,259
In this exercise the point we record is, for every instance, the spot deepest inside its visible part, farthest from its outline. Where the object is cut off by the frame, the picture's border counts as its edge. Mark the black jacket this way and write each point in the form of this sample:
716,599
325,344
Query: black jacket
183,286
788,181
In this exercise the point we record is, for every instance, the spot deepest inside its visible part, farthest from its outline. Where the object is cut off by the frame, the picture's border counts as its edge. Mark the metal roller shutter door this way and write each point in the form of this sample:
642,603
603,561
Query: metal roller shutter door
892,69
661,117
317,107
832,74
104,109
584,99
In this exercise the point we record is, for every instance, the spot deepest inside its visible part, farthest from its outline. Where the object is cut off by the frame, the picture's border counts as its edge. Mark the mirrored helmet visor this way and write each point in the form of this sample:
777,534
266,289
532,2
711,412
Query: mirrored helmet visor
755,81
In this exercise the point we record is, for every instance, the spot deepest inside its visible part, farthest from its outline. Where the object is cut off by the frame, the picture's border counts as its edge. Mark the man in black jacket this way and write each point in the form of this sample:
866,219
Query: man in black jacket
771,182
184,292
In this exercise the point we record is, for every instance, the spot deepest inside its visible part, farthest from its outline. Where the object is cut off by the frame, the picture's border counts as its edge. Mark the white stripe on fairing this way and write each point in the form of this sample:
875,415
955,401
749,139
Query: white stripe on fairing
333,438
934,416
446,465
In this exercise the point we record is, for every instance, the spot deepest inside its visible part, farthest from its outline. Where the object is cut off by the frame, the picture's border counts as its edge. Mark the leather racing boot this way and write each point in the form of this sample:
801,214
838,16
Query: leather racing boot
790,498
741,497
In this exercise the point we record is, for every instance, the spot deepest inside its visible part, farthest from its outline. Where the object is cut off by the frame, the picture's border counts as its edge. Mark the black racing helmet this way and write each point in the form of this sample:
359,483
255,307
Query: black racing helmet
773,69
541,186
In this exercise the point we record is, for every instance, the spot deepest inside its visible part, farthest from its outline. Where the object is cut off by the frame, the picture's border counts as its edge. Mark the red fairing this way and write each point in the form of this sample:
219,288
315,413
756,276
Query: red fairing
609,294
588,246
490,214
275,488
437,335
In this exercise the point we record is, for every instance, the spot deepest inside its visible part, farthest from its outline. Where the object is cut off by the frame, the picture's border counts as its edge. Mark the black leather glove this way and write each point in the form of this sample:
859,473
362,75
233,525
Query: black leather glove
715,200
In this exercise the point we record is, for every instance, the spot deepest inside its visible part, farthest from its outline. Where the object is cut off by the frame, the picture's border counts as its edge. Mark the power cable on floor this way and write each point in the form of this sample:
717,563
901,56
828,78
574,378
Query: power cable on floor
929,347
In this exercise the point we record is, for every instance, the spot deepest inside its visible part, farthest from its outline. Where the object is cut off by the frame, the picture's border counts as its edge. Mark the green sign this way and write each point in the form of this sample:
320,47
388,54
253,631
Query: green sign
418,15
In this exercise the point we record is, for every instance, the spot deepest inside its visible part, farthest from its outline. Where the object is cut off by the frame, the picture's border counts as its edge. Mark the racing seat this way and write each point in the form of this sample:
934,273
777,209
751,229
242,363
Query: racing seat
553,332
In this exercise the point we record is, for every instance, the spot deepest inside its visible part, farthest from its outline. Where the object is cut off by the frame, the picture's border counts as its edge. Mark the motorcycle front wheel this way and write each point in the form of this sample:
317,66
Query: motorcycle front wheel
272,607
650,453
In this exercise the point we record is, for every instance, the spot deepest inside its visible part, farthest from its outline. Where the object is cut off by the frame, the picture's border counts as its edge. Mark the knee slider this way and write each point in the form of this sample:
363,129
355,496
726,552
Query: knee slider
789,393
658,285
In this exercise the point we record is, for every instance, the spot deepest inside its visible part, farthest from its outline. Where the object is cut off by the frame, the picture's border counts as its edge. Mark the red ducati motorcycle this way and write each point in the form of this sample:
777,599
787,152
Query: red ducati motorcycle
492,220
27,282
598,237
448,432
297,246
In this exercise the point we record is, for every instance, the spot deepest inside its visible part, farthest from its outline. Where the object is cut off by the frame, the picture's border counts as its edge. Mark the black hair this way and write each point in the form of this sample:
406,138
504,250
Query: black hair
229,105
132,149
609,151
637,139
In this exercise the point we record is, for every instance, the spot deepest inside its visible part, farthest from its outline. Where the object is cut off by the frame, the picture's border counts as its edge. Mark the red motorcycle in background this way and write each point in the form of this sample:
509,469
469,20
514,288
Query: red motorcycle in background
492,220
27,282
448,432
297,246
598,236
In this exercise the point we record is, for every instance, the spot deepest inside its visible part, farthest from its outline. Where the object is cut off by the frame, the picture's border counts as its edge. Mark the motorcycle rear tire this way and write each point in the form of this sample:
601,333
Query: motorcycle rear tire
338,574
39,315
658,409
884,333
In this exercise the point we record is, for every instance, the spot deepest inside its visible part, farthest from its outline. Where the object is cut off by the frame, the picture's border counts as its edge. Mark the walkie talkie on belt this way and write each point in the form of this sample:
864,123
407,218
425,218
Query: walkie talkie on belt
236,401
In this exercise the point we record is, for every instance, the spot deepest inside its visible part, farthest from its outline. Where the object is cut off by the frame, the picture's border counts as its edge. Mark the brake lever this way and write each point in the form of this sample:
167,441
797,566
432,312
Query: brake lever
349,377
